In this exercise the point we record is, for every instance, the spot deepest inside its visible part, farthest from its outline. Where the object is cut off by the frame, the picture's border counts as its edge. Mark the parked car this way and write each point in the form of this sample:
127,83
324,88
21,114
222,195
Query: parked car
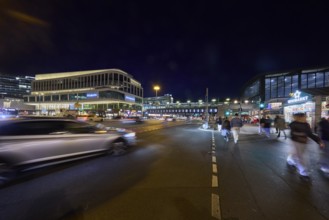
33,143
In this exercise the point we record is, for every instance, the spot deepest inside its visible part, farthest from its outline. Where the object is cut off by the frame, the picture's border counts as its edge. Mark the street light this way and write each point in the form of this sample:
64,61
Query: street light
156,88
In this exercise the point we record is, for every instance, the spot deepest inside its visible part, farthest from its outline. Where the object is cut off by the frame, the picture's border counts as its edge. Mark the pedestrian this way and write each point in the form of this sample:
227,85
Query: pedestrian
267,126
300,132
276,124
261,125
281,126
324,155
219,123
236,124
226,129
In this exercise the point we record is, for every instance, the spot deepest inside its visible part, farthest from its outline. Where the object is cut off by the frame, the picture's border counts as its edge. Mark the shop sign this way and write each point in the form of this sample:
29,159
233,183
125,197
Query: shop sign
299,97
130,98
92,95
274,105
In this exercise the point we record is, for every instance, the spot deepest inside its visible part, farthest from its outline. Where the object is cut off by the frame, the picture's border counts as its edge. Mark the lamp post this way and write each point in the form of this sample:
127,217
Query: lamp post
156,88
206,124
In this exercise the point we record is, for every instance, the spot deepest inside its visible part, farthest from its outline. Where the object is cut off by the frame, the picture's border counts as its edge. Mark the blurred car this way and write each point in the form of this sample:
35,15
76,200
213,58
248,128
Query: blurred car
94,118
170,119
132,119
33,143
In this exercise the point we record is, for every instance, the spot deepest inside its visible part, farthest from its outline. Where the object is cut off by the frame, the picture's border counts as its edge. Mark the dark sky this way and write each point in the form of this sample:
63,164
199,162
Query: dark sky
184,46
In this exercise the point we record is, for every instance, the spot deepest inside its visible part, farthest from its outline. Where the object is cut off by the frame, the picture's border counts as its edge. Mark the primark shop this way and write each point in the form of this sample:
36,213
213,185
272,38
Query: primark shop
110,91
285,93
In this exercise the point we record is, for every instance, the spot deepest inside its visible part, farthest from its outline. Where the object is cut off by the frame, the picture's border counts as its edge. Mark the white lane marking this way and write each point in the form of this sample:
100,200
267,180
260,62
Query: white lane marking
215,210
214,182
214,168
215,205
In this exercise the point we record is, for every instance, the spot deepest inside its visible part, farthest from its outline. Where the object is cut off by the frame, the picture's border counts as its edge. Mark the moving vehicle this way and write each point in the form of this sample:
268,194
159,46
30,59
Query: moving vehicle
93,118
34,143
132,119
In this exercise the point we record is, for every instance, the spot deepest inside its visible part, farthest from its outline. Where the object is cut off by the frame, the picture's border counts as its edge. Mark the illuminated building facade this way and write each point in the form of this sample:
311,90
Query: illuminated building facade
15,86
284,93
107,90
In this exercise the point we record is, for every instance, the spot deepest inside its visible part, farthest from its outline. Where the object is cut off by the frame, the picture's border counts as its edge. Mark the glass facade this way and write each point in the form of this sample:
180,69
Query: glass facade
95,89
280,86
15,86
252,90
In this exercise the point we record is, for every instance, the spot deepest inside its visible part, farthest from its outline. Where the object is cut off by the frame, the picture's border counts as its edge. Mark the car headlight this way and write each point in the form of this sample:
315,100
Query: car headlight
131,134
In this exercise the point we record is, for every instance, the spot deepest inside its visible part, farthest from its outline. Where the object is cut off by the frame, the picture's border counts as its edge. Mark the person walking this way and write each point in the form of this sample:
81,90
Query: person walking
226,129
276,124
267,126
324,155
300,132
236,124
219,123
261,125
281,126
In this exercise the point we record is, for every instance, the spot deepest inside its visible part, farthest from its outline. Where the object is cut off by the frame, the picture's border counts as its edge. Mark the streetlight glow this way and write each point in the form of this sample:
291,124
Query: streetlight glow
156,88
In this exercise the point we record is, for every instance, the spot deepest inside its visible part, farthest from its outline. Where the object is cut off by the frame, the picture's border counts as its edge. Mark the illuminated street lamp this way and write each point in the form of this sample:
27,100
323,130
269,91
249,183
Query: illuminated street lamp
156,88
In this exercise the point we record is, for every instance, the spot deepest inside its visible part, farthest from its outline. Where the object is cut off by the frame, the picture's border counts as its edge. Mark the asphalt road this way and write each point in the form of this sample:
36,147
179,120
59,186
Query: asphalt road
175,172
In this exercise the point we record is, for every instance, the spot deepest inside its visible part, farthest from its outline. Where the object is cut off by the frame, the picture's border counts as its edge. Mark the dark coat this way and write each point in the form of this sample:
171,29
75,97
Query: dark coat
300,131
324,129
267,123
226,125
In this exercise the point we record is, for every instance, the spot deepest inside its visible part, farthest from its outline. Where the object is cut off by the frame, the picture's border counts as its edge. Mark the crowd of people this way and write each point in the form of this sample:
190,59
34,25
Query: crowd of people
300,134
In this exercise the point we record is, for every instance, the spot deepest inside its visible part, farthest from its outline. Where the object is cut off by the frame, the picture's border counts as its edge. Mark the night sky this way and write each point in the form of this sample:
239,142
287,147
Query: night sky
183,46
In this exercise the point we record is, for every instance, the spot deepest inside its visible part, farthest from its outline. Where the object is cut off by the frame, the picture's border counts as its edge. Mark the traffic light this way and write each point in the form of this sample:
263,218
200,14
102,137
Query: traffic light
227,113
261,106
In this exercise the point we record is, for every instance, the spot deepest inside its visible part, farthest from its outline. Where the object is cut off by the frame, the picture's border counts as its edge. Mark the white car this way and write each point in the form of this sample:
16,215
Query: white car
93,118
33,143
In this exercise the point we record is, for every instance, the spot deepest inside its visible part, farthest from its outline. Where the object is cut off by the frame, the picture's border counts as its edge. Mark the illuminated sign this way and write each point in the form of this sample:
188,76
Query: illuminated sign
274,105
129,98
92,95
298,97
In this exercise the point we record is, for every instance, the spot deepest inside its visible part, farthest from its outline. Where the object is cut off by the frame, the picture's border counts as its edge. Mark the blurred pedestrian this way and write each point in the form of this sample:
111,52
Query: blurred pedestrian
226,129
219,123
261,125
300,132
281,126
267,126
276,124
324,155
236,124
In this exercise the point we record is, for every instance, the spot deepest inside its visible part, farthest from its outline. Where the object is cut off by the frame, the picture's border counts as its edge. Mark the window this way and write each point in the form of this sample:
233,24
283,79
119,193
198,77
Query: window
304,81
287,85
64,97
47,98
294,85
267,89
55,97
281,86
274,88
326,79
319,80
311,80
30,128
79,128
